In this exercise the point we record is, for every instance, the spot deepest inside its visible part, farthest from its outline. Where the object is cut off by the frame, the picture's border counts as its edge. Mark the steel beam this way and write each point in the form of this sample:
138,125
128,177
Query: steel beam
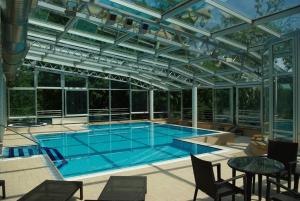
179,8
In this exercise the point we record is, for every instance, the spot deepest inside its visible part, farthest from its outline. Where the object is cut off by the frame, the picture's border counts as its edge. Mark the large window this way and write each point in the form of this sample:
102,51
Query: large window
249,106
205,103
160,104
49,102
24,78
120,104
76,82
97,83
99,105
175,104
223,107
187,104
139,101
46,79
119,85
22,103
76,102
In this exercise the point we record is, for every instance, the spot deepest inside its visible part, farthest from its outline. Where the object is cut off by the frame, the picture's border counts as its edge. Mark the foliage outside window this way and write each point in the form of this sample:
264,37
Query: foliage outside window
73,81
187,104
22,103
175,104
98,83
76,102
24,78
46,79
204,104
139,101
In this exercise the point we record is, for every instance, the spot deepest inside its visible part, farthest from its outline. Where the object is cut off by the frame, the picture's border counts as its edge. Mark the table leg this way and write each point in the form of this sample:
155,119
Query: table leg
296,182
249,178
259,186
233,182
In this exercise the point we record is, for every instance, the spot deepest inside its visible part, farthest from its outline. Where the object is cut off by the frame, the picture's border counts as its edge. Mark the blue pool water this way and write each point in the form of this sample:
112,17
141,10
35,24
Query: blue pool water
115,146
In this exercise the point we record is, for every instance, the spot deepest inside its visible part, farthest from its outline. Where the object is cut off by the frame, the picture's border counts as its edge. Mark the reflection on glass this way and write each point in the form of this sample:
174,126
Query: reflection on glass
286,25
162,5
205,16
258,8
283,64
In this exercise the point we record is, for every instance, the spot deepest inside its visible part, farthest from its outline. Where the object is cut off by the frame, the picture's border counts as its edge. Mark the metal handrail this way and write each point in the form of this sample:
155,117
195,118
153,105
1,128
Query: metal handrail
1,125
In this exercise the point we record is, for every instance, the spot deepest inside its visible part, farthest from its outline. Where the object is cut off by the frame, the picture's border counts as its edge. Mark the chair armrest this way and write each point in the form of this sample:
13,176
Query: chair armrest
218,165
270,181
243,176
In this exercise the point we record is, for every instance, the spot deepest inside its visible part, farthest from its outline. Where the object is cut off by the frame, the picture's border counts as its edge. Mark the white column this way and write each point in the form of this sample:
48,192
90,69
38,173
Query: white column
194,107
151,104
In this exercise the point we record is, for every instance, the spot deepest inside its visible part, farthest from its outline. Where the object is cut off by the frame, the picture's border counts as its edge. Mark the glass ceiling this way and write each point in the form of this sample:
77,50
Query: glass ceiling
186,42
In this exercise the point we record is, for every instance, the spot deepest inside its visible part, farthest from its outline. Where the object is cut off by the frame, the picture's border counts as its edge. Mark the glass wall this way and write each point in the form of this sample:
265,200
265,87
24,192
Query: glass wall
120,105
55,95
223,105
205,104
175,104
99,105
139,102
22,103
283,94
187,104
46,108
160,104
248,112
76,102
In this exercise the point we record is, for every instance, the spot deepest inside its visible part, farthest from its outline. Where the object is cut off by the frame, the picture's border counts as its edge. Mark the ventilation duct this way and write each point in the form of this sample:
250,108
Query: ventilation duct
14,34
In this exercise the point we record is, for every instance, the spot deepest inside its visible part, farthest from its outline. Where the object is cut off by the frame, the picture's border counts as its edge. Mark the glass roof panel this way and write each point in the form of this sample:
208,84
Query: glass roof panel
215,66
258,8
287,24
126,9
250,37
240,77
161,6
205,16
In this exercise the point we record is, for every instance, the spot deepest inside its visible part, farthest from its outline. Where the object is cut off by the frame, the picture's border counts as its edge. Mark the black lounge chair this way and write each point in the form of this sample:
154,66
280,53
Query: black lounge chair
286,153
288,195
125,188
54,190
206,182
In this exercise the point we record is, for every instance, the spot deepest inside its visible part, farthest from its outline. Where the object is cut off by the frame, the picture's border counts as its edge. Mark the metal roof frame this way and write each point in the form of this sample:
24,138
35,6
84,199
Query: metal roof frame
160,63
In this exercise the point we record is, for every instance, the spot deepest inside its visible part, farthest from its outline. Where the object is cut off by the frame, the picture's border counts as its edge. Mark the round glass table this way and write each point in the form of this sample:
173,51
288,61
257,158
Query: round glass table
252,165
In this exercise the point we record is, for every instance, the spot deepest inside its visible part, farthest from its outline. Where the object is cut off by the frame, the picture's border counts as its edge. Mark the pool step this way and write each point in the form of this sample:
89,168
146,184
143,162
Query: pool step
27,151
